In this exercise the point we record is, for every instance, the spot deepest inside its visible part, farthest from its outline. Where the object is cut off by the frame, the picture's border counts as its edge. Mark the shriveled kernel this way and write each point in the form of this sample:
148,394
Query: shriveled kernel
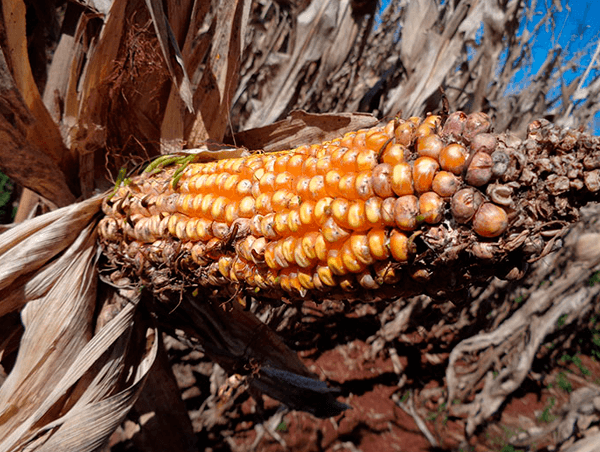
480,169
326,275
394,154
445,183
321,247
465,203
225,263
350,261
366,280
490,220
453,158
431,207
300,256
477,122
288,247
406,212
387,212
220,229
382,180
430,146
402,181
455,124
399,246
378,244
359,244
424,170
484,142
267,226
332,231
405,133
335,262
257,251
306,279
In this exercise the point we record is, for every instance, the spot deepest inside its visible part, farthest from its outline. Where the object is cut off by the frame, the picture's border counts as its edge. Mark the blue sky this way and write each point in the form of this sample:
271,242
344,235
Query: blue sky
577,30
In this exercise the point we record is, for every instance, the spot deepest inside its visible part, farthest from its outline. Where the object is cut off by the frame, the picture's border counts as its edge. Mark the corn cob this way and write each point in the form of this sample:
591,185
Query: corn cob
410,206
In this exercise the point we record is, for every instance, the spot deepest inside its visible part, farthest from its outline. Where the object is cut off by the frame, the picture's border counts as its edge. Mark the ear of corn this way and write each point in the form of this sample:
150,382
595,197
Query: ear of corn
372,209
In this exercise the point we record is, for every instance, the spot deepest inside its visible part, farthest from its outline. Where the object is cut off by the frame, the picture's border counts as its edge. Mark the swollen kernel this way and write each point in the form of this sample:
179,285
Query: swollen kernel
305,279
453,158
322,210
394,154
288,248
363,185
307,211
347,185
339,211
465,203
373,211
357,219
399,246
445,184
263,203
490,220
218,208
247,207
404,133
406,212
424,170
366,160
402,181
375,141
378,246
284,180
317,187
294,164
430,146
431,207
332,183
424,130
382,180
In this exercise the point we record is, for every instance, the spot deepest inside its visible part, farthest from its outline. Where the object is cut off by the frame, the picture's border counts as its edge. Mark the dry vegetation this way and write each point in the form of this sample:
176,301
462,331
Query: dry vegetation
85,93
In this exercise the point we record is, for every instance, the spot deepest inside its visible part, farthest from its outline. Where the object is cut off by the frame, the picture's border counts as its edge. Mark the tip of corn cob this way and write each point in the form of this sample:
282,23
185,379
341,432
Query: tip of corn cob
423,204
